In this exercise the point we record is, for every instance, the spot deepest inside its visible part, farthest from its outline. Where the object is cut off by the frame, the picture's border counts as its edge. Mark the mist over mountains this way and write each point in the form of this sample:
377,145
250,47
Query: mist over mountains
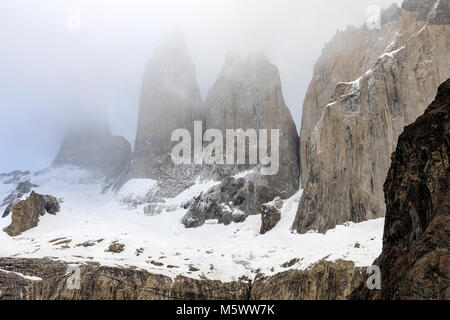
51,75
356,206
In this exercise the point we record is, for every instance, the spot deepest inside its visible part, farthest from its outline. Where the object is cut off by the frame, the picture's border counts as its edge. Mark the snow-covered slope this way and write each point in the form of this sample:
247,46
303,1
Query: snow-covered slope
89,222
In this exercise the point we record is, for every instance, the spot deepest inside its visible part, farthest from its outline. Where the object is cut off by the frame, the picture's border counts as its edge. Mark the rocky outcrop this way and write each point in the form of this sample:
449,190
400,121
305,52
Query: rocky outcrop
39,279
91,146
170,100
26,213
270,215
391,15
350,127
324,281
415,260
10,200
230,201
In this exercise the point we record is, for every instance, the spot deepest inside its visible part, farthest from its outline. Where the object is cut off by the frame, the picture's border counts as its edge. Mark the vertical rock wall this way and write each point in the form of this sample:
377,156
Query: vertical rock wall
367,86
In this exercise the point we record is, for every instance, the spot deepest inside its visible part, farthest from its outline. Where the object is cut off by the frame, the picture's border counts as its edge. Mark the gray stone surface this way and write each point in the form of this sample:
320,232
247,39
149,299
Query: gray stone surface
170,100
350,128
26,213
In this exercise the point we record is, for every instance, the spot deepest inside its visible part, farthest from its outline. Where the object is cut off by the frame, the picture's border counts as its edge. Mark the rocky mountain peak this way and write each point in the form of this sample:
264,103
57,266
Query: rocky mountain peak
247,95
170,99
171,69
90,145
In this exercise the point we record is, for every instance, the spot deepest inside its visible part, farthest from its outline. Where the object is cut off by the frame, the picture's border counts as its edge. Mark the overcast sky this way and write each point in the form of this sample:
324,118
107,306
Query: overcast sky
51,74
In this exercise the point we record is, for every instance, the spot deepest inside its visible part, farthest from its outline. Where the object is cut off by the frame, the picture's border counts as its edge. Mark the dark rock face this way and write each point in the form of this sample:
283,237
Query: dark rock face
200,211
26,213
441,15
415,261
51,204
8,209
437,11
270,215
91,146
326,280
116,247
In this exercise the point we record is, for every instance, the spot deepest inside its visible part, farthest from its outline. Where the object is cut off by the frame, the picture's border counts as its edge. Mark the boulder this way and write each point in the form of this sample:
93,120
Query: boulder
13,176
325,280
116,247
270,214
51,204
26,213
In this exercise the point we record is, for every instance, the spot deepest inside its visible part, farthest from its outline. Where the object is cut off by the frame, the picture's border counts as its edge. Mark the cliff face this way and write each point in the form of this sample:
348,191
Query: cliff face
91,146
39,279
325,281
247,95
350,127
170,99
415,259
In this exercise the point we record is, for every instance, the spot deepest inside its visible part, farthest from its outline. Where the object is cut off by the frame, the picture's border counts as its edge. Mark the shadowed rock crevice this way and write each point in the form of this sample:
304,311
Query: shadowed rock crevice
247,95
